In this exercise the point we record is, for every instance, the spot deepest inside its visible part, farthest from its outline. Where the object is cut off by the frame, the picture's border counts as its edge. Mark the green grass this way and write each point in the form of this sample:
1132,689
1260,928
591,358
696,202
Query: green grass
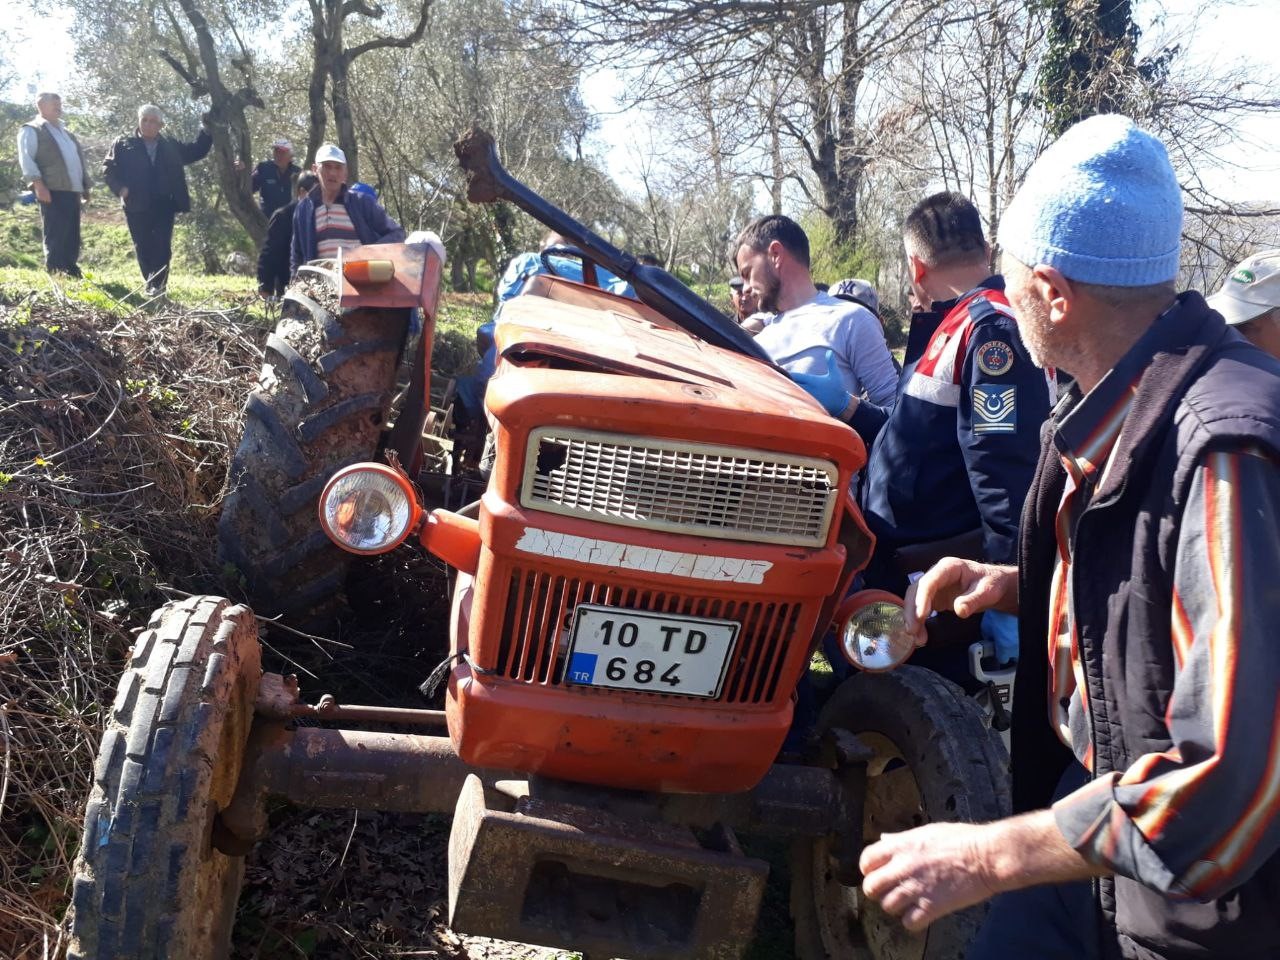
120,292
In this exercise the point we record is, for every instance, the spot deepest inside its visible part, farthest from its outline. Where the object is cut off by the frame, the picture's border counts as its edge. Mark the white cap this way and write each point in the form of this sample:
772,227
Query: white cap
329,152
1252,289
282,144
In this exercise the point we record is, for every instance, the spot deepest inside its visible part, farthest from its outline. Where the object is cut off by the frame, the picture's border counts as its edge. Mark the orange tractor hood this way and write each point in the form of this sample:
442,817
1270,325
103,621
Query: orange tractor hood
612,350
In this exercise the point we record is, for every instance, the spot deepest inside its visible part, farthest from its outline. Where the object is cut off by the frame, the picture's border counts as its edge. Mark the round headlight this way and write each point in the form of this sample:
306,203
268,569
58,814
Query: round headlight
873,636
368,508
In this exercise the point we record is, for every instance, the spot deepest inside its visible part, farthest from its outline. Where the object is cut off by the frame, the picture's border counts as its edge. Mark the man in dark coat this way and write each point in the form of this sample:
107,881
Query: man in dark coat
273,178
273,261
145,172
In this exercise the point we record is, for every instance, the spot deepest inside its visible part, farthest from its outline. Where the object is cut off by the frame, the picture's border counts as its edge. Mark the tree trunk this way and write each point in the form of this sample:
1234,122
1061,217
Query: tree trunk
343,118
227,121
231,141
317,119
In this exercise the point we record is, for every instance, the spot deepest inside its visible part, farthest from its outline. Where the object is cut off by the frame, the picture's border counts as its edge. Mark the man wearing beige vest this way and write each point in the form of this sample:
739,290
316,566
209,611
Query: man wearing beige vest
53,161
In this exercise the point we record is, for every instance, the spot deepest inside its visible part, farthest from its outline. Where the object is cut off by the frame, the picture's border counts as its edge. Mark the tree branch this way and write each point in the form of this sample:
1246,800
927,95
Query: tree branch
378,43
198,87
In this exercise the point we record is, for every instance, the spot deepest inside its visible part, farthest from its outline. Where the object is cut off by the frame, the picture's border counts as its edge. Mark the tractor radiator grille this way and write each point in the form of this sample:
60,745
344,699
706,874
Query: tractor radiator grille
539,614
700,489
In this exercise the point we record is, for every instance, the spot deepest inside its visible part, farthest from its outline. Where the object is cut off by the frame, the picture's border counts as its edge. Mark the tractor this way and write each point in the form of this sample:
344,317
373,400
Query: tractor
664,539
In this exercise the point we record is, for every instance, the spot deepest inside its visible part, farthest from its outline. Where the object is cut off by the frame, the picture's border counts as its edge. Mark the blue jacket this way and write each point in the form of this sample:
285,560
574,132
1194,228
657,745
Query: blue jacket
371,223
527,265
959,449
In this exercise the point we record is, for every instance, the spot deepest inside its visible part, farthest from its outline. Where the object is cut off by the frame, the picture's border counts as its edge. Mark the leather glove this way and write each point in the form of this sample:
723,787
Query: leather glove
827,388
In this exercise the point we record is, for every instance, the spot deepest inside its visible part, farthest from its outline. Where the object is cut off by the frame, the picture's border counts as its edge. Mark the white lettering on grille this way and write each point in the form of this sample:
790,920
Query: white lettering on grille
607,553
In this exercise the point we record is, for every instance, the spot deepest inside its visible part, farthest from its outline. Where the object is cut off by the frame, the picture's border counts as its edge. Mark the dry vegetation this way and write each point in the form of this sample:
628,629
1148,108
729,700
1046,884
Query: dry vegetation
113,440
115,430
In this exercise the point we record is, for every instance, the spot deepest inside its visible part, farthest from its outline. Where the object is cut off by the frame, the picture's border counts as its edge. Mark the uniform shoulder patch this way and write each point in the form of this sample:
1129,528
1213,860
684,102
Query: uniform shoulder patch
995,357
995,409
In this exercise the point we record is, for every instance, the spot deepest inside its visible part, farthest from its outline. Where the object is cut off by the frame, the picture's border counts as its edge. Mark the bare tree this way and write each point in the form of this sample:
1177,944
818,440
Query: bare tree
825,56
331,66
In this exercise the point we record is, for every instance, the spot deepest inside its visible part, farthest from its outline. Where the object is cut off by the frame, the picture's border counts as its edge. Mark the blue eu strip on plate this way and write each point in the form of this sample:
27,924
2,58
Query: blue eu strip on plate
582,668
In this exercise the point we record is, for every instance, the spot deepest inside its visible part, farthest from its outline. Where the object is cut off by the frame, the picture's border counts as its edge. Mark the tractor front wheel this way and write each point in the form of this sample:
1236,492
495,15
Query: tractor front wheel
149,884
933,758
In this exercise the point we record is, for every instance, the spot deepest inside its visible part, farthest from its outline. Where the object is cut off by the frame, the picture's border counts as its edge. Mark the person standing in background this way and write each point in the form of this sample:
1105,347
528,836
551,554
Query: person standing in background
52,160
272,179
273,260
145,171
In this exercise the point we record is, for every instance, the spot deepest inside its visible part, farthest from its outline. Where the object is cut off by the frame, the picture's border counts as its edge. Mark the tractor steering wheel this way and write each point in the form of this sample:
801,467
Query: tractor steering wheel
589,276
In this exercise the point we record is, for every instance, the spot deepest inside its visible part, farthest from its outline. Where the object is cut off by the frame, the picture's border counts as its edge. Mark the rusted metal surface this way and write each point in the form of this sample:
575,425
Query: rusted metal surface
330,709
579,877
344,769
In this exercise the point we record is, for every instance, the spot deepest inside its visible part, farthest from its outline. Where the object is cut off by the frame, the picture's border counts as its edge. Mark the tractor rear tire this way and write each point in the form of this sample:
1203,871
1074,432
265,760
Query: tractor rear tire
148,882
935,759
322,402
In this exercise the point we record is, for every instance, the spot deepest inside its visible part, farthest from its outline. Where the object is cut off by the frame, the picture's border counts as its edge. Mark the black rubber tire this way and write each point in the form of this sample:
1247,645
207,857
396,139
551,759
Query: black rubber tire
921,725
322,403
148,884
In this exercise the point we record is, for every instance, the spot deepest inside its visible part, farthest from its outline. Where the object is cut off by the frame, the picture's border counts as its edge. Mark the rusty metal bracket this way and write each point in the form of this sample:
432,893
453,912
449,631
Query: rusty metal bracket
850,757
561,874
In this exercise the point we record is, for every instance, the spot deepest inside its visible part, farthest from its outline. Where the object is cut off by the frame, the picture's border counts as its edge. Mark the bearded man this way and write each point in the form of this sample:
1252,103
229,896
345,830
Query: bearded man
812,332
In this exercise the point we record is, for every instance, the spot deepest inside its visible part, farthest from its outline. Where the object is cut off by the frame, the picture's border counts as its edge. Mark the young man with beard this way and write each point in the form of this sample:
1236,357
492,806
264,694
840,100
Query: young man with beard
1146,741
951,462
812,332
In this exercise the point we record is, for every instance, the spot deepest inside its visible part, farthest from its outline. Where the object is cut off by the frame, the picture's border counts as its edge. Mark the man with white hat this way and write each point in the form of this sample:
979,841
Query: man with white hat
332,217
1250,300
1146,739
273,179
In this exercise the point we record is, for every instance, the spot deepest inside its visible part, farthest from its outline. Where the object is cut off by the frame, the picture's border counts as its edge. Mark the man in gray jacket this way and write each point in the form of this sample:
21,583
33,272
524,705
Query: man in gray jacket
53,161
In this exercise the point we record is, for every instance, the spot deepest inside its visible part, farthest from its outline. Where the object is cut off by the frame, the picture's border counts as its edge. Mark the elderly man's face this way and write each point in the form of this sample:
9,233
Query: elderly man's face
1031,313
50,109
1263,331
332,174
150,126
761,282
282,155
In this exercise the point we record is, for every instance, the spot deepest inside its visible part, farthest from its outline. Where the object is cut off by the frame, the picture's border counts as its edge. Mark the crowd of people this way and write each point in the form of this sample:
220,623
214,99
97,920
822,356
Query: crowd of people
310,215
1085,460
1073,460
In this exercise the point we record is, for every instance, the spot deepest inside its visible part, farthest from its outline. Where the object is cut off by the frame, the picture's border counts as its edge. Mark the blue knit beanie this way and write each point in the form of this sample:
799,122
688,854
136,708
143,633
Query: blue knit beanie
1102,205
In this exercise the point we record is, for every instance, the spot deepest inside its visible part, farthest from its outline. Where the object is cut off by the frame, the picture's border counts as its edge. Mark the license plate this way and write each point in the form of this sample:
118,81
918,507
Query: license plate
653,652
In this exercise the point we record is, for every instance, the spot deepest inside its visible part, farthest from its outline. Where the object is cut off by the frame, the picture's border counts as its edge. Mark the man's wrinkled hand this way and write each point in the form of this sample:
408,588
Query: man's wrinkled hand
42,192
827,388
962,587
924,874
124,193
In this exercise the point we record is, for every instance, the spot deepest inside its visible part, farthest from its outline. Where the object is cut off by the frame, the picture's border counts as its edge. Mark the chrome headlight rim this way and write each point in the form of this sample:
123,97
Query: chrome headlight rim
865,643
362,476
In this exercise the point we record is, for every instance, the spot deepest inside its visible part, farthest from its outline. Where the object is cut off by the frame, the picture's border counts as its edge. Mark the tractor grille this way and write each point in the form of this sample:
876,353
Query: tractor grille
710,491
535,630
